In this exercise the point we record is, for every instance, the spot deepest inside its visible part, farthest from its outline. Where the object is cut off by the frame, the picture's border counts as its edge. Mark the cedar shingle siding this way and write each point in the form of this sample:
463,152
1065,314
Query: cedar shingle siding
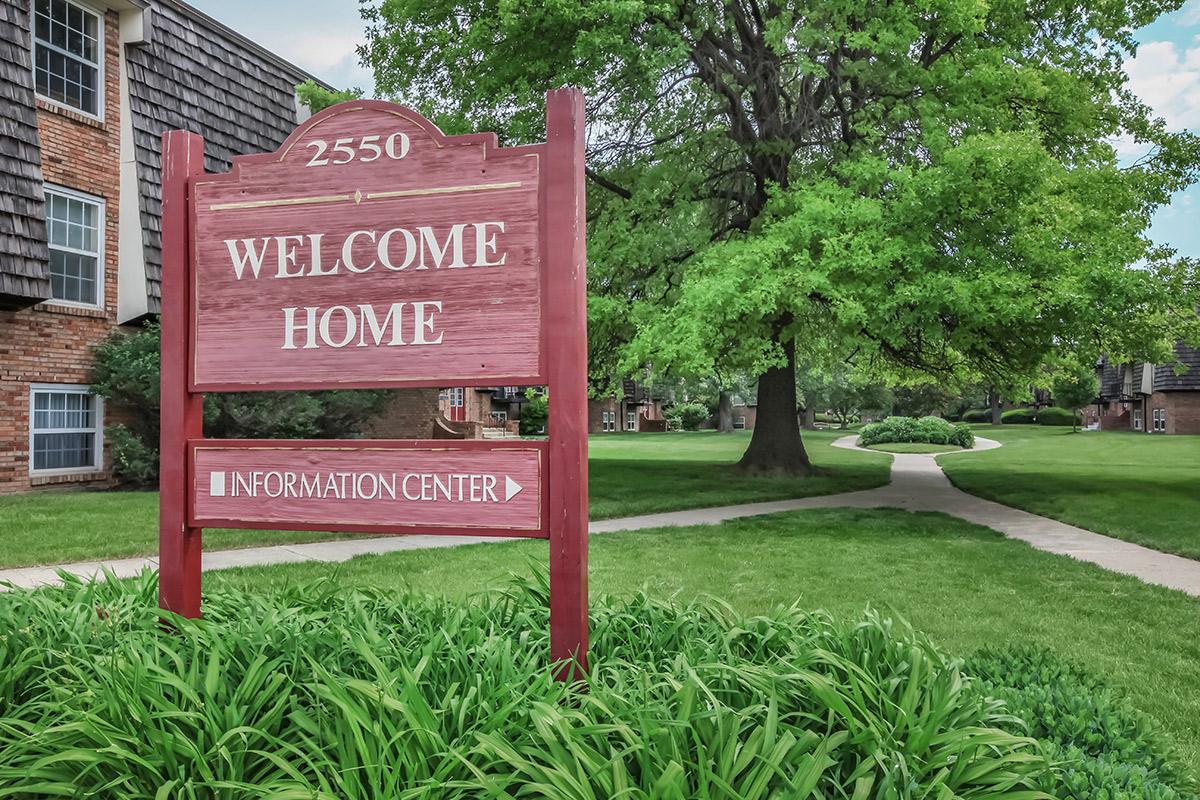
24,260
1165,379
193,77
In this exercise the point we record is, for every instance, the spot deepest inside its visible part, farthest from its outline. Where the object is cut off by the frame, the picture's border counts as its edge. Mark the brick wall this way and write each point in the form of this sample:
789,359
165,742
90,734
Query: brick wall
1183,411
408,414
52,343
596,407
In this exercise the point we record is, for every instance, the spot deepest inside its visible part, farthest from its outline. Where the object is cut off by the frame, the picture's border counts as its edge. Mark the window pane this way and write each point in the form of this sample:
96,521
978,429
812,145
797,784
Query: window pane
67,54
63,450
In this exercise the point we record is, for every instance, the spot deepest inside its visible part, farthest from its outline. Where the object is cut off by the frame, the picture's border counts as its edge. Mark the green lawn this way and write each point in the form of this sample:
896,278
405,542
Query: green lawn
1141,488
629,474
914,447
964,585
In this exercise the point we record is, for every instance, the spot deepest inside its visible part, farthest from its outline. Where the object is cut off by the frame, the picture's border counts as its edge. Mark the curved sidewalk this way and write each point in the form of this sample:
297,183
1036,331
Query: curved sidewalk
917,484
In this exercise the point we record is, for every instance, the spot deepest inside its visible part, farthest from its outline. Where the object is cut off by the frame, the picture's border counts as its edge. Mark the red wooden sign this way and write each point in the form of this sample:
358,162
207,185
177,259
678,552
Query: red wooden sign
371,250
390,487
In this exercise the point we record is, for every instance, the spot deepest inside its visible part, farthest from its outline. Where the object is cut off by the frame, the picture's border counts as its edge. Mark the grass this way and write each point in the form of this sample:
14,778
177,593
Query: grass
964,585
914,447
1137,487
629,474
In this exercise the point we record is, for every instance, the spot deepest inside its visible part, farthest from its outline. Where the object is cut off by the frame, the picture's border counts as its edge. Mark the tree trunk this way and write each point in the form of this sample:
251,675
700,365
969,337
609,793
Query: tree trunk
724,413
776,445
809,422
997,407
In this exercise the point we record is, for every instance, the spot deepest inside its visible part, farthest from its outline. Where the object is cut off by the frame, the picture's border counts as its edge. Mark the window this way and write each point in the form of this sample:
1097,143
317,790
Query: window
738,400
455,396
1137,419
64,429
608,421
739,422
1160,420
73,225
67,50
631,420
500,416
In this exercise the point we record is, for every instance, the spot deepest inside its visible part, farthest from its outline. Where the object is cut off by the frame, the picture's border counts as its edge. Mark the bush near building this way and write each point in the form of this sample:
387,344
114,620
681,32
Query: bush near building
1057,416
933,430
1019,416
321,692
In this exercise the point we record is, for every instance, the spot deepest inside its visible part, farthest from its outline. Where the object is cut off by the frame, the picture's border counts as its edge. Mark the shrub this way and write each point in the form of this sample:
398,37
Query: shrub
1057,416
977,415
1019,416
536,413
316,692
933,430
687,416
126,371
1106,749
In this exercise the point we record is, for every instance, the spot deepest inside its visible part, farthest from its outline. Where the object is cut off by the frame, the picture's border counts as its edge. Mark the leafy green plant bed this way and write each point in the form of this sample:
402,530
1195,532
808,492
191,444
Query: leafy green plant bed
930,430
317,693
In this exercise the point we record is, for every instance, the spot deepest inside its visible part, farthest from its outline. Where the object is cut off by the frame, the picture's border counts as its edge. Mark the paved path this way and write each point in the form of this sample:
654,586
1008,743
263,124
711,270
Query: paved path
918,484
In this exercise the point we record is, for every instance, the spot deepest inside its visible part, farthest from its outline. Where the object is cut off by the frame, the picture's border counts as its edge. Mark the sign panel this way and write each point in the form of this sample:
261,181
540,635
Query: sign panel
369,250
387,487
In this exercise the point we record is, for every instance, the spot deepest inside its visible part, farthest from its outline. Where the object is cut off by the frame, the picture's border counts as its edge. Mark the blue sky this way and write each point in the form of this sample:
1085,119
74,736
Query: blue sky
320,36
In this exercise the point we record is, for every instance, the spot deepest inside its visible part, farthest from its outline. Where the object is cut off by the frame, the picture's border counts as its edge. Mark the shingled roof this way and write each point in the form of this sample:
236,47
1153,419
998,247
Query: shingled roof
1165,379
24,259
196,74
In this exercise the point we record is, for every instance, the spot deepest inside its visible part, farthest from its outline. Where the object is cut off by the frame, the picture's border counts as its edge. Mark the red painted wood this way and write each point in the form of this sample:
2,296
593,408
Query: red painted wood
375,486
182,412
490,316
566,352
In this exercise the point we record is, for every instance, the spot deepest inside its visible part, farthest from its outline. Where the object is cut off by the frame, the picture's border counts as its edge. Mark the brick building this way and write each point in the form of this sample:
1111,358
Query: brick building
482,412
1150,398
88,87
637,409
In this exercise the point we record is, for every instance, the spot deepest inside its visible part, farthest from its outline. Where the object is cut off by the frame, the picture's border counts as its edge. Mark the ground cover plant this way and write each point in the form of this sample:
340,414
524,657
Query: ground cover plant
1133,486
633,473
320,693
930,430
968,587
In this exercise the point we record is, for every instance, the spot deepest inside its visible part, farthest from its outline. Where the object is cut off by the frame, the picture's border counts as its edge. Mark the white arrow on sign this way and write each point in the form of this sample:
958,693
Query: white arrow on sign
511,488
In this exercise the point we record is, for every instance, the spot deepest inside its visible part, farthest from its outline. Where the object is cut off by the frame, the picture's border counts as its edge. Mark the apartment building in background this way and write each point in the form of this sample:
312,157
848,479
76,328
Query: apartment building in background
88,87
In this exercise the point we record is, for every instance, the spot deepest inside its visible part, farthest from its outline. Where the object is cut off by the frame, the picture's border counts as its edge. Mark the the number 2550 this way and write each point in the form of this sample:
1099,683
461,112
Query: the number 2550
365,148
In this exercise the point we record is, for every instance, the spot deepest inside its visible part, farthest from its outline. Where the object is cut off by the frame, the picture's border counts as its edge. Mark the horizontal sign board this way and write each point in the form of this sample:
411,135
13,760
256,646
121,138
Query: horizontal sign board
377,486
369,250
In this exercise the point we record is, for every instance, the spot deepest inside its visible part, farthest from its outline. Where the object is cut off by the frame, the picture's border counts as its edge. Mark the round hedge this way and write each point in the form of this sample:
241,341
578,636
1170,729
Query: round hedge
1019,416
933,430
1057,416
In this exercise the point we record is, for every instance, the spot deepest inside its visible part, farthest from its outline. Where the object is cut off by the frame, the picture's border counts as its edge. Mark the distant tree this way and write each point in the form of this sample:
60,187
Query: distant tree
1074,387
318,98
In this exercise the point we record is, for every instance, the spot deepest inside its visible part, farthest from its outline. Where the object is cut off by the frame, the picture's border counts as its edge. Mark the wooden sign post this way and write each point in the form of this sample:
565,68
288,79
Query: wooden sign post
371,250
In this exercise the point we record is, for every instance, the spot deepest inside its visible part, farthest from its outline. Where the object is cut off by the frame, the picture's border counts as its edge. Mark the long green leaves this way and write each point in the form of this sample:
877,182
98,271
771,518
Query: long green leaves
319,693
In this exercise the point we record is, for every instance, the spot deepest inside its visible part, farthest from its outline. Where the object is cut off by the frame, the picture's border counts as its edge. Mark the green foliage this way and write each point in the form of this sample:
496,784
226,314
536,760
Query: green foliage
318,98
977,415
1106,748
1076,386
321,693
536,413
687,416
126,371
1057,416
1019,416
933,430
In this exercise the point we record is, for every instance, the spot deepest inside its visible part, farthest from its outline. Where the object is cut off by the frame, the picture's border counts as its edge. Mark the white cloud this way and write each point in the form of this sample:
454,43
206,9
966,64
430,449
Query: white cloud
1166,77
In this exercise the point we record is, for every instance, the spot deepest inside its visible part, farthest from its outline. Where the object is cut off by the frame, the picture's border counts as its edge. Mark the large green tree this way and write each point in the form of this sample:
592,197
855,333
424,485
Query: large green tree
929,184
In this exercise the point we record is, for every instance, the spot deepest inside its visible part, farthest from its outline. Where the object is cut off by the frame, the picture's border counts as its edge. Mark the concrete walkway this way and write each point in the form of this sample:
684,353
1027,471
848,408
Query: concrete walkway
918,484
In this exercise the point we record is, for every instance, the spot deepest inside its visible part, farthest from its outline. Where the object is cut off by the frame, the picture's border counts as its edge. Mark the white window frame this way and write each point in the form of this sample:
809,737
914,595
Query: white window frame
456,397
75,194
1137,419
86,8
500,416
98,413
631,421
739,422
1160,420
608,421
